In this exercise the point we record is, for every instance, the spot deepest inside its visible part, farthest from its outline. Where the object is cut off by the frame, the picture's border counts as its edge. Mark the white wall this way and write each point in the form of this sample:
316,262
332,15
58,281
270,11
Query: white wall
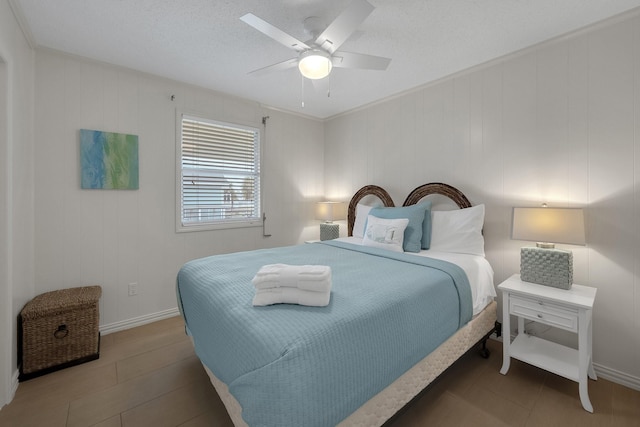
16,190
5,290
556,123
114,238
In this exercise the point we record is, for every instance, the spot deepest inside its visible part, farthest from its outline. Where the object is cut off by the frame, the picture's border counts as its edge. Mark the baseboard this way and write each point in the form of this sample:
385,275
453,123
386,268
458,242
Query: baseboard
138,321
14,383
617,376
13,388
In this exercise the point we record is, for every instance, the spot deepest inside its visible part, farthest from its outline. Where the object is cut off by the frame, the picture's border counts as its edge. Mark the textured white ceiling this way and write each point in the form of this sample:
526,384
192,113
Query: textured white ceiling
203,42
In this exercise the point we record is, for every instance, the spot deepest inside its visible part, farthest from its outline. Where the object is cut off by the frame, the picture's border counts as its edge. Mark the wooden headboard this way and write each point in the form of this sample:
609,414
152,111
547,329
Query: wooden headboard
437,188
367,190
414,197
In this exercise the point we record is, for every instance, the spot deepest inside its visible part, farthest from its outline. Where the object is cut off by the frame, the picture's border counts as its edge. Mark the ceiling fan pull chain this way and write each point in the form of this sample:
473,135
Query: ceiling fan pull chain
302,89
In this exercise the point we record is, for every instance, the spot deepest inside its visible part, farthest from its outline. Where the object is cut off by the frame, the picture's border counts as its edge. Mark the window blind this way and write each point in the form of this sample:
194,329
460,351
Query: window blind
220,172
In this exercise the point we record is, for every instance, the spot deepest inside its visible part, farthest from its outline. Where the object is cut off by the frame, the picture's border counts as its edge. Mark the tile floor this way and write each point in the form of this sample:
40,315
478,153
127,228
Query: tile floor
149,376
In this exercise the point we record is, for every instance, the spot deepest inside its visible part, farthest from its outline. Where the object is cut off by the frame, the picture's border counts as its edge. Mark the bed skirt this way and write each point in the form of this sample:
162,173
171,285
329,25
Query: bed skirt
377,410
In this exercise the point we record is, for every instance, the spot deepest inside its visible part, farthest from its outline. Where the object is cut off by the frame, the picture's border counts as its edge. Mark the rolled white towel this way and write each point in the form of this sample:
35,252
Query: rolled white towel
286,272
323,286
290,296
286,269
306,277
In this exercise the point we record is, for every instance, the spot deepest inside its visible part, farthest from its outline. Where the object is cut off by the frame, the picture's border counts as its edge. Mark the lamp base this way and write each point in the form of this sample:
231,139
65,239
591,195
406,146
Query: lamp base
329,231
549,267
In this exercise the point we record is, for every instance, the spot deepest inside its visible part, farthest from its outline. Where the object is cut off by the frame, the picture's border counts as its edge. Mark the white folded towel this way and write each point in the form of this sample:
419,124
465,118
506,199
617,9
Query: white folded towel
315,278
291,296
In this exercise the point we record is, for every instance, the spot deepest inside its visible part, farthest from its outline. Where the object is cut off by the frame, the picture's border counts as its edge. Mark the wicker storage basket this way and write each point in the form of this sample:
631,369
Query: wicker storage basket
549,267
59,329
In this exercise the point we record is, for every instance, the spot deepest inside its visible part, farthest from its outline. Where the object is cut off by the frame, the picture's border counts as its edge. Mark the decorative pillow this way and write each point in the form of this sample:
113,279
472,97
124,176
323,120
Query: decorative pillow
362,211
385,233
458,231
426,225
415,214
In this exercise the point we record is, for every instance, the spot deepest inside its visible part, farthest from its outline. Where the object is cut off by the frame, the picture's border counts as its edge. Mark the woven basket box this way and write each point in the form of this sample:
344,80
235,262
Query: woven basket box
549,267
59,329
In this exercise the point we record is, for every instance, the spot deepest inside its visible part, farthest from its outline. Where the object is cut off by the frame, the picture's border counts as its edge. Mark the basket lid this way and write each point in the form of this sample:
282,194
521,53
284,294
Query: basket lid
60,301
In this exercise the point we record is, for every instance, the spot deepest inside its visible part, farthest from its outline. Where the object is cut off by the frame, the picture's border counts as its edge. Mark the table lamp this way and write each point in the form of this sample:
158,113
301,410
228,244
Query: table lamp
328,212
544,264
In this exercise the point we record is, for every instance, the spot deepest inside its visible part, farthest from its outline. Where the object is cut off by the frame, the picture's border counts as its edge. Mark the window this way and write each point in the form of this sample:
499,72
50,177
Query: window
219,174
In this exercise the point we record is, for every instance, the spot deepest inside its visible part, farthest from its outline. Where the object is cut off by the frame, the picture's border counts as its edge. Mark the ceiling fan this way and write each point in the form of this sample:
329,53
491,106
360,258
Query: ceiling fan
317,56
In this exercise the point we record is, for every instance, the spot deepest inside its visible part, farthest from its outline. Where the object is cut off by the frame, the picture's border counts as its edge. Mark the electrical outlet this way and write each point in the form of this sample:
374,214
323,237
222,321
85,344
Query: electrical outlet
133,289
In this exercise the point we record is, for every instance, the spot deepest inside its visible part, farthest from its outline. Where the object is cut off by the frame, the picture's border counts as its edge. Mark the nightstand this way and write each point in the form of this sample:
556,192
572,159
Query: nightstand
570,310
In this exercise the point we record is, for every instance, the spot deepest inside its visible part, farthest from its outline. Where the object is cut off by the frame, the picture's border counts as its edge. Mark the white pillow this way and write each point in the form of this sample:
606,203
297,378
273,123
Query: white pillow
458,231
385,233
362,211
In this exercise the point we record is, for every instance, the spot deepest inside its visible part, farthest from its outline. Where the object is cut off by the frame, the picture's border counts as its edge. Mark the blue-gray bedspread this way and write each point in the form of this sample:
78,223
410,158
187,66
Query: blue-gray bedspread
290,365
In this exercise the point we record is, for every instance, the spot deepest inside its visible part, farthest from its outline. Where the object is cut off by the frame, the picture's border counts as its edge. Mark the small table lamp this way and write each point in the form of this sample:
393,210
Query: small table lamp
544,264
328,212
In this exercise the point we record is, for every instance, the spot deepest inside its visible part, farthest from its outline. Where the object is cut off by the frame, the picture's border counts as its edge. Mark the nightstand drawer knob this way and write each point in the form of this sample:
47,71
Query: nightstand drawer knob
539,316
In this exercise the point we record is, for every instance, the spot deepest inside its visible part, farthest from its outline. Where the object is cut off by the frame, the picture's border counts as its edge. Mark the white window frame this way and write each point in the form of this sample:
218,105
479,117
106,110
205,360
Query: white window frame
215,224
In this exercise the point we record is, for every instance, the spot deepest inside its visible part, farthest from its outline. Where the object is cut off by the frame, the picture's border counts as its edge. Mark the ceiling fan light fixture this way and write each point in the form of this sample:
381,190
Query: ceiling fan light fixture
315,64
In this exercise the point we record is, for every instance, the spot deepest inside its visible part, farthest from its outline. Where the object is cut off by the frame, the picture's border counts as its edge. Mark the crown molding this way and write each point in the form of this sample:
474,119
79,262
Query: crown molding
22,22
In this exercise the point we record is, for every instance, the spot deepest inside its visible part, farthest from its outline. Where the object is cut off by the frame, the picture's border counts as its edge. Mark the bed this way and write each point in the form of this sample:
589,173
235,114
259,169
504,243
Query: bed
395,320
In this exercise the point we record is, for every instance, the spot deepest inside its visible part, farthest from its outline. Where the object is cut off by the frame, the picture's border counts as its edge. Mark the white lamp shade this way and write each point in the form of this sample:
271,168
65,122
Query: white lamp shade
331,211
553,225
315,64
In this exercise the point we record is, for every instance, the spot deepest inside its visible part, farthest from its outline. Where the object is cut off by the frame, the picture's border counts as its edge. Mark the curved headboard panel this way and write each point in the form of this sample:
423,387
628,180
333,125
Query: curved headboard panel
367,190
437,188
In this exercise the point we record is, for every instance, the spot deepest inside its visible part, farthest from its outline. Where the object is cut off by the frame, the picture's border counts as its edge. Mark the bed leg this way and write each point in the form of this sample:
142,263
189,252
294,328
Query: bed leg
484,351
497,328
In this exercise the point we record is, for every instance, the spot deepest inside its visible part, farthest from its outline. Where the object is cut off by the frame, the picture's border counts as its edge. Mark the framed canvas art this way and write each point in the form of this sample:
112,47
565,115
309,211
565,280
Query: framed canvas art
108,160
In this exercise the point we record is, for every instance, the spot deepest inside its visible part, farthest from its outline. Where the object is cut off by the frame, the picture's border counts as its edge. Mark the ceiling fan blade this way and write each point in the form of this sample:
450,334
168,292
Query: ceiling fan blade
274,32
344,25
360,60
284,65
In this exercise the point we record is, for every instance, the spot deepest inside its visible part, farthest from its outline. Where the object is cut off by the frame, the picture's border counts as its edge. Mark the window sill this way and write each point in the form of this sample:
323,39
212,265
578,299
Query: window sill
217,226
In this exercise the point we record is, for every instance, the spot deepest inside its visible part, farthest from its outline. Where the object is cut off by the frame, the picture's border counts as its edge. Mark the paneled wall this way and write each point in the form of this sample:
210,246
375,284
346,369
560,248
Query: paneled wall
114,238
556,123
16,190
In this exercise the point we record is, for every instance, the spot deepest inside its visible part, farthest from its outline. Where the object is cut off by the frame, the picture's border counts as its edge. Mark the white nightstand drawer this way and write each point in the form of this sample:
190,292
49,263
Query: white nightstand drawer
544,312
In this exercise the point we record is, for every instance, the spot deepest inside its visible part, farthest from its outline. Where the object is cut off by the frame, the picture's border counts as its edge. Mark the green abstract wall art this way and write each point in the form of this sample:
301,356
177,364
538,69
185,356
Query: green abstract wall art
108,160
